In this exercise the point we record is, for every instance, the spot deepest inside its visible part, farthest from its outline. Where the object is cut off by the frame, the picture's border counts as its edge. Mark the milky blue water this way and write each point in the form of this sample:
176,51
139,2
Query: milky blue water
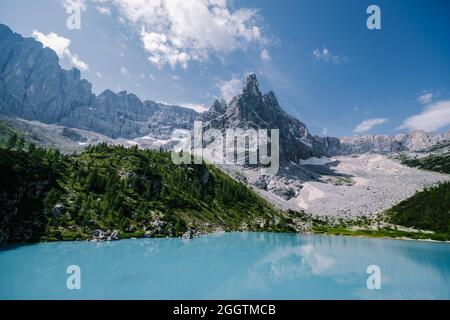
228,266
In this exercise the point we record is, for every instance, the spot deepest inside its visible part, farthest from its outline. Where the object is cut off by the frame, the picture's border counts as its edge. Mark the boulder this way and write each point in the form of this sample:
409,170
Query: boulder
115,235
149,234
187,235
58,210
159,223
99,235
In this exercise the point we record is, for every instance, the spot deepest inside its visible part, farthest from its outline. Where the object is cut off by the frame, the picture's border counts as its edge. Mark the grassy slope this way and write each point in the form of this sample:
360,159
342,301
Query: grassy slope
37,135
115,188
429,209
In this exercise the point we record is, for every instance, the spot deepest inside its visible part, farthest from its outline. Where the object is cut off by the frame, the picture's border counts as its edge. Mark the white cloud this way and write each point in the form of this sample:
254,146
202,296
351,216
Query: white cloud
58,44
426,98
194,106
176,32
198,107
367,125
104,10
432,118
78,63
61,46
325,54
230,88
265,55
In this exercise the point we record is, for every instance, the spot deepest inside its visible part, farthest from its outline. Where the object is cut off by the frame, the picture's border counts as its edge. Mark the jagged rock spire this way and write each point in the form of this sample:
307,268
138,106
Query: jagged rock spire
252,85
253,109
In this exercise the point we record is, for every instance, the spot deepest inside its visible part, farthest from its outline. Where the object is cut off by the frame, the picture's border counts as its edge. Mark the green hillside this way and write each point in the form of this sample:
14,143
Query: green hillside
429,209
438,163
50,196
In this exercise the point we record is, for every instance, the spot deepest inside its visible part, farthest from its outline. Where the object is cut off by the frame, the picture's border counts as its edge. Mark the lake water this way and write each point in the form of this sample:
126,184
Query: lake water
228,266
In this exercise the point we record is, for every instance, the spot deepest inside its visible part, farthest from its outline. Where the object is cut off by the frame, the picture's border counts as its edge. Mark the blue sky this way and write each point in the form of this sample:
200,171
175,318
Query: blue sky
325,66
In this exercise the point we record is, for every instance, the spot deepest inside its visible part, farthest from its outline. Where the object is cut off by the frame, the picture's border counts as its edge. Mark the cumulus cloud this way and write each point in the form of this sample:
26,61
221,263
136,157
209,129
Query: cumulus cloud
326,55
432,118
230,88
61,46
426,98
367,125
176,32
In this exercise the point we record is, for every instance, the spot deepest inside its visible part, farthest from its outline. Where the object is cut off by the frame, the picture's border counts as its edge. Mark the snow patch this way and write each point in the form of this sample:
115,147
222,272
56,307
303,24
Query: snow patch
317,161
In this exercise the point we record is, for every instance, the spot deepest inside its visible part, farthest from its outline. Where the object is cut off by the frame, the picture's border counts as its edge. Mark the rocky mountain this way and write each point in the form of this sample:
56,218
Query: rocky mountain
252,109
51,107
33,86
304,182
414,141
124,115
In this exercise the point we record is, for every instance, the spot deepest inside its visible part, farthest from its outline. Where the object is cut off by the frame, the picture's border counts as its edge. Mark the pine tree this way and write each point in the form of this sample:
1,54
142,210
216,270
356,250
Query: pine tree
20,143
12,142
31,149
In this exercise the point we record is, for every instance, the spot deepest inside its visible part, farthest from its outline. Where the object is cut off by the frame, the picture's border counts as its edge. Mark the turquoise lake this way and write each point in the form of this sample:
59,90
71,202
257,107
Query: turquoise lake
228,266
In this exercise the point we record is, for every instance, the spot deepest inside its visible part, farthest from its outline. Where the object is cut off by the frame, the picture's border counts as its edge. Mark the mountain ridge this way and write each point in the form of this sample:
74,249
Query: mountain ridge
33,86
413,141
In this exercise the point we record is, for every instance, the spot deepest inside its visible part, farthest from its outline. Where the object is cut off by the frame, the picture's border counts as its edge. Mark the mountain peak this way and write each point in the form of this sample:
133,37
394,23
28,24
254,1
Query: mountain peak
253,110
252,85
251,78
